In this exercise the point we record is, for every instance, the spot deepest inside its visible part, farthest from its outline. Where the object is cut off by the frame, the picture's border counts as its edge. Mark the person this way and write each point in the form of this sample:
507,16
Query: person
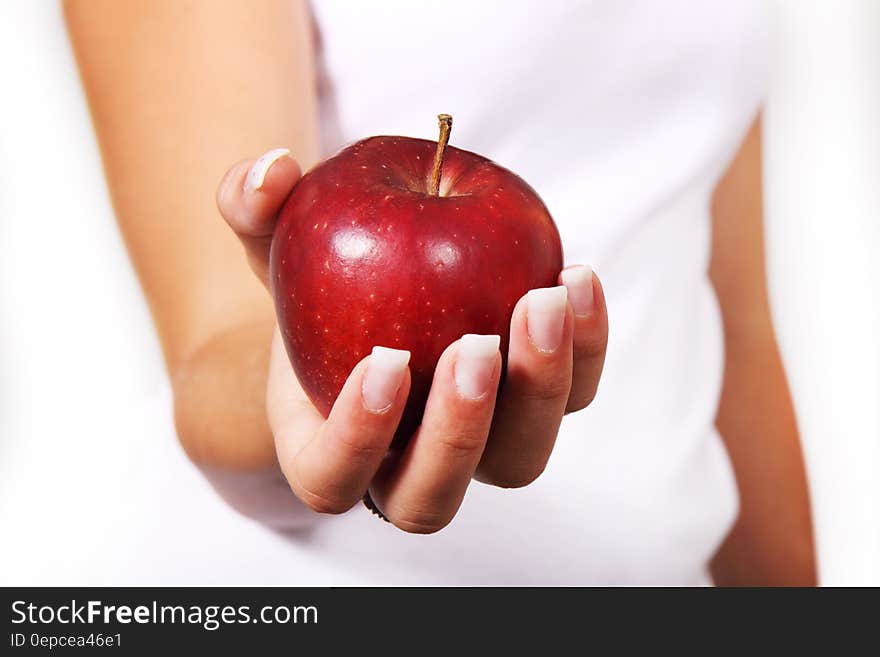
638,123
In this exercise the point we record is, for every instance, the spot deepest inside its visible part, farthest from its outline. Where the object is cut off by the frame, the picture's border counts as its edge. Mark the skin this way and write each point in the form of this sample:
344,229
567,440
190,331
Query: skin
337,303
171,109
772,541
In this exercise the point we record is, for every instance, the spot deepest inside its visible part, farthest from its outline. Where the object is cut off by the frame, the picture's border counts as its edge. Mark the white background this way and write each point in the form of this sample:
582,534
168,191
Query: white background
80,370
823,202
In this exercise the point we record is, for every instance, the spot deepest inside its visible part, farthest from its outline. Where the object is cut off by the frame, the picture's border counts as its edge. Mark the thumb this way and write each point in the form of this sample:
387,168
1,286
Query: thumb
250,197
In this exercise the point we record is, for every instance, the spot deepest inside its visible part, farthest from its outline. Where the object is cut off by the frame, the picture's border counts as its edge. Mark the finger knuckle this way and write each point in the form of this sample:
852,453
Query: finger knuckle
418,521
462,443
515,477
549,389
321,502
359,448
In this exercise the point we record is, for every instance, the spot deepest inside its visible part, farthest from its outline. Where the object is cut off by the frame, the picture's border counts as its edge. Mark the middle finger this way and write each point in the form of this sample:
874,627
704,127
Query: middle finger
423,490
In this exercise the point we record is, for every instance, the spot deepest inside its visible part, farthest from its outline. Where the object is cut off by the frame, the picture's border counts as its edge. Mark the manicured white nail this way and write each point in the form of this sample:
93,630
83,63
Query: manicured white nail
475,364
257,175
546,316
383,377
578,281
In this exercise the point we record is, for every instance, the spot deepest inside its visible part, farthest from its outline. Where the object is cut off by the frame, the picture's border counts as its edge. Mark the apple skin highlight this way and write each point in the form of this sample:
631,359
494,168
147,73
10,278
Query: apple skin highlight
364,255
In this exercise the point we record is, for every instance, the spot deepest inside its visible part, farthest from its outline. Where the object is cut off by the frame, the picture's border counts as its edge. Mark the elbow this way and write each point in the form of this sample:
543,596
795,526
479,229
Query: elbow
248,481
221,424
218,425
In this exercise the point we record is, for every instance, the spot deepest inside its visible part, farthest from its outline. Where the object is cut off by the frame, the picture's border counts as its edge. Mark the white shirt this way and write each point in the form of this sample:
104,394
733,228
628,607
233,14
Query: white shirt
622,115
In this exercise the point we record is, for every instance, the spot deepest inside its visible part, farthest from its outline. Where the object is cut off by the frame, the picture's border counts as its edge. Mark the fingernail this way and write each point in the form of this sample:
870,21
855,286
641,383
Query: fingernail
383,377
578,281
257,175
475,364
546,316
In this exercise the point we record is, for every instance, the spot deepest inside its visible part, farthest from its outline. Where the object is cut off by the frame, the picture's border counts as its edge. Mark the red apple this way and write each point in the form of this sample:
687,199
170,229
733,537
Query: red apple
403,243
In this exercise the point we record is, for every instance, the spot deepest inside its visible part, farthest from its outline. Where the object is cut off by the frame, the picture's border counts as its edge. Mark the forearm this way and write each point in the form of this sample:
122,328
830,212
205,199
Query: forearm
771,542
178,92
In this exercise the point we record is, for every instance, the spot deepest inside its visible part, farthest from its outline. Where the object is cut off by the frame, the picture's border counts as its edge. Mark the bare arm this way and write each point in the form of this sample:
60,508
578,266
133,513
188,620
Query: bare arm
178,90
772,541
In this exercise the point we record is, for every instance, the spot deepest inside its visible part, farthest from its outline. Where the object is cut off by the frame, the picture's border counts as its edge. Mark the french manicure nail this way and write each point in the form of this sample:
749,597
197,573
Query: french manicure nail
257,175
546,316
383,377
578,281
475,364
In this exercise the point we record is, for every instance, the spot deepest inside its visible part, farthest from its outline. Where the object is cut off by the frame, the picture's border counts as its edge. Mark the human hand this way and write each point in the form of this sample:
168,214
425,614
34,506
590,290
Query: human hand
557,350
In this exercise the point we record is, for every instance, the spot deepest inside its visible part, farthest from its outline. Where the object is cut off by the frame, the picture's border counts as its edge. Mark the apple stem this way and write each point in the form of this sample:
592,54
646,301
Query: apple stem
445,128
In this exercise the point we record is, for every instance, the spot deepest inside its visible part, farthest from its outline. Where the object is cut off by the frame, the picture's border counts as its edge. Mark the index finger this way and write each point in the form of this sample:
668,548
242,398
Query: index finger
329,463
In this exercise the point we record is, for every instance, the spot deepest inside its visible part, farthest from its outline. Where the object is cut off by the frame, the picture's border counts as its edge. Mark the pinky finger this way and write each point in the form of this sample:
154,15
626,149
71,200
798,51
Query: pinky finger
590,336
